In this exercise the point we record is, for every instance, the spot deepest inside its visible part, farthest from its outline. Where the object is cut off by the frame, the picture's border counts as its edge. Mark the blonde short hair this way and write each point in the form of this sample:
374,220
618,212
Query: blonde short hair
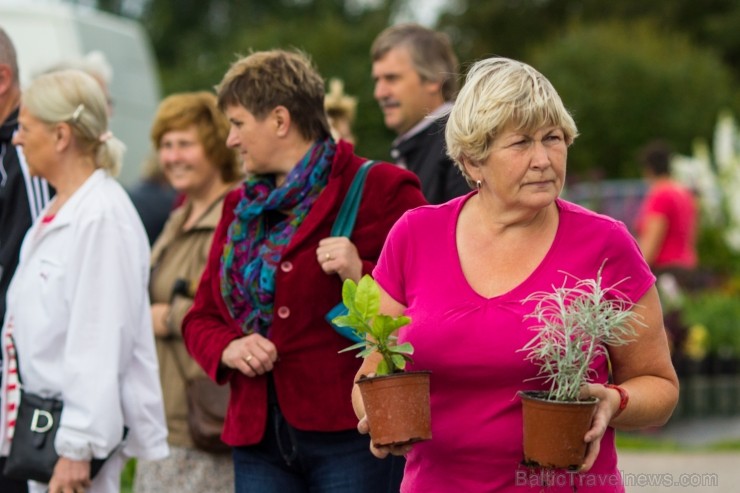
74,97
500,93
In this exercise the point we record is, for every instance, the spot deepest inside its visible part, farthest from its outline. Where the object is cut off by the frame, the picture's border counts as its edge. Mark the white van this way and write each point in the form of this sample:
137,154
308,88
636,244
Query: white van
47,33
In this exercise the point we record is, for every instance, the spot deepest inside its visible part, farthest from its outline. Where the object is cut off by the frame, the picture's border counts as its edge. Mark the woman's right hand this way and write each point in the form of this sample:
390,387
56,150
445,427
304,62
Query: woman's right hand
364,427
381,452
70,476
252,355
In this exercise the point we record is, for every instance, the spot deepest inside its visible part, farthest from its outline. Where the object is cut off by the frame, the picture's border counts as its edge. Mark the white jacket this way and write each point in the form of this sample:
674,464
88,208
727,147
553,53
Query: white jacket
79,306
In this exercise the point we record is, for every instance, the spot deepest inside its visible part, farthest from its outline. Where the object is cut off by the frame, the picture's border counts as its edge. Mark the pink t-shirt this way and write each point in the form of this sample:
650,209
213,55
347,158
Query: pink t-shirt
471,343
678,205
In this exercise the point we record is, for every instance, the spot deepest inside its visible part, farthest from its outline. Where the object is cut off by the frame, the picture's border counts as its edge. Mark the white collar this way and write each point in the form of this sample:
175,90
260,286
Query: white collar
424,123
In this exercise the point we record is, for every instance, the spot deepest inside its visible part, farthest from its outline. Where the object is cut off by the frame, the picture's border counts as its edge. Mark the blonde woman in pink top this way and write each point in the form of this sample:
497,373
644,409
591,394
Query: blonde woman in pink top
461,271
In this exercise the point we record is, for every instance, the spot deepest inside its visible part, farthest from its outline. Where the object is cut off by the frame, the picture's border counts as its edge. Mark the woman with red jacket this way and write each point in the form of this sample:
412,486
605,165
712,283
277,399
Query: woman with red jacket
257,321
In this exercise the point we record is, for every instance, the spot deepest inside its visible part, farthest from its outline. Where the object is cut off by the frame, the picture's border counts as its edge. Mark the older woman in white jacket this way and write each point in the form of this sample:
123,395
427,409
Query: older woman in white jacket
78,306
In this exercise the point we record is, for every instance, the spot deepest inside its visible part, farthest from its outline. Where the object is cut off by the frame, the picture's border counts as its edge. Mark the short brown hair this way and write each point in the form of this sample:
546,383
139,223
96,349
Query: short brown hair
431,53
656,157
183,110
266,79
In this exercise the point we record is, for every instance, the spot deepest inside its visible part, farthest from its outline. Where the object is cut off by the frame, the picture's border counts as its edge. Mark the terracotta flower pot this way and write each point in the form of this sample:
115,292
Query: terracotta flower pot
554,431
397,407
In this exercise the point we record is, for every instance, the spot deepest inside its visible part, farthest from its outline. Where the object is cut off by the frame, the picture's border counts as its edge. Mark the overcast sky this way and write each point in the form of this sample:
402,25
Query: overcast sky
426,11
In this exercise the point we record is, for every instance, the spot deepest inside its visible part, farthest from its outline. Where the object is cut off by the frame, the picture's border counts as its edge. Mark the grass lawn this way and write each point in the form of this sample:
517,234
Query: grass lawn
127,476
636,441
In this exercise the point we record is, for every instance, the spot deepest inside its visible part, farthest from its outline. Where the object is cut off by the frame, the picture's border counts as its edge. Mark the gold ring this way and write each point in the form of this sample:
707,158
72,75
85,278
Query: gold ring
248,358
328,256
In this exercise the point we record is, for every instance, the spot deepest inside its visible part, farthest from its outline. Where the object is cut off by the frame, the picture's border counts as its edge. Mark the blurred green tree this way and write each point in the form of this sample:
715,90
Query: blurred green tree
513,27
617,95
629,83
630,70
195,41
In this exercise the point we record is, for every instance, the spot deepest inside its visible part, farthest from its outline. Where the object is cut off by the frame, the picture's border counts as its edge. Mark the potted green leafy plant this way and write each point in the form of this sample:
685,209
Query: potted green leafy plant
574,325
396,401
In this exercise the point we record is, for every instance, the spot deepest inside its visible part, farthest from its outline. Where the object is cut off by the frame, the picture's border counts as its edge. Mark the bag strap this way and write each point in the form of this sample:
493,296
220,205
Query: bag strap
347,215
17,363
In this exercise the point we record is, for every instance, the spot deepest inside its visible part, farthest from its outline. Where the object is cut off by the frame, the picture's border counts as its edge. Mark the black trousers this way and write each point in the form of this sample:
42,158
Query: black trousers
8,485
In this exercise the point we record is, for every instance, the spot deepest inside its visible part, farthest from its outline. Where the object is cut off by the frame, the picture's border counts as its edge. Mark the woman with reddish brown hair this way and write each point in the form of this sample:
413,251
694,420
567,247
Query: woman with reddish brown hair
189,134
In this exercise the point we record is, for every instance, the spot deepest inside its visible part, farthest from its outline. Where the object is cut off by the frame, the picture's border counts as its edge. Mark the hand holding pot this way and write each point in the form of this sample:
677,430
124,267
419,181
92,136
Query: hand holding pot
382,452
364,427
606,409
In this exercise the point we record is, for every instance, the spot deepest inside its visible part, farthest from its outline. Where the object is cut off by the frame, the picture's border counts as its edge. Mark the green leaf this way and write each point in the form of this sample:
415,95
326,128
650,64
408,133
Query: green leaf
367,351
382,368
358,345
398,361
379,327
405,348
349,291
400,321
344,320
352,321
367,298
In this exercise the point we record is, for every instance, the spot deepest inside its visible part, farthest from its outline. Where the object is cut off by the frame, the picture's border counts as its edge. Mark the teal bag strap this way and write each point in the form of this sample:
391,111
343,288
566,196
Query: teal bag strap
347,215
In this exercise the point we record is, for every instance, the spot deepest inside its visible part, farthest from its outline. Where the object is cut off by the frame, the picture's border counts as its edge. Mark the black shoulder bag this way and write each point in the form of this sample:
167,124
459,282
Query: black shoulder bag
32,454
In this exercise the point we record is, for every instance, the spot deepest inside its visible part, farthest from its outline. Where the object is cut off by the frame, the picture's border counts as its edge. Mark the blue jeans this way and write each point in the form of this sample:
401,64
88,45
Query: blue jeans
288,460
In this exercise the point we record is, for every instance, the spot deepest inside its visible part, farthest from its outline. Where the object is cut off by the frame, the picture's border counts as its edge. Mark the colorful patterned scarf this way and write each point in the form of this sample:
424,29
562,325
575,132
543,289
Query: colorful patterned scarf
254,245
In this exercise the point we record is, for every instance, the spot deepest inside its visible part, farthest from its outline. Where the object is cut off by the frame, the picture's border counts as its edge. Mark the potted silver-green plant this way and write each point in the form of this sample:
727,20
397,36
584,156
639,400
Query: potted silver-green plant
573,326
396,401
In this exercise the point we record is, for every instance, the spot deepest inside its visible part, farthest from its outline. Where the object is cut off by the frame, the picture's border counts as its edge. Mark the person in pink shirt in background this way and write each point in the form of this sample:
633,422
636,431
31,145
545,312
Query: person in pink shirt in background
668,218
666,228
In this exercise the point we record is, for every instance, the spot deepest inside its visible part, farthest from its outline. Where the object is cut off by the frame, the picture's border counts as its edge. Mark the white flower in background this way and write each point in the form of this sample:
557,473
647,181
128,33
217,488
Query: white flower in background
716,180
696,173
671,294
725,134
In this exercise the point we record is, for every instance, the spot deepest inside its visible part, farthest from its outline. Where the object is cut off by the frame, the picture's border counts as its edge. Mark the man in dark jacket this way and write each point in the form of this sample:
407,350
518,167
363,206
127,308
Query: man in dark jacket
415,74
21,196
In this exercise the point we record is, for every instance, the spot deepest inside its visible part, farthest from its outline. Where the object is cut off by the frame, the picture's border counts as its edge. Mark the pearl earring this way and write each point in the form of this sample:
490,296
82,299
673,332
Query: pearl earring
478,184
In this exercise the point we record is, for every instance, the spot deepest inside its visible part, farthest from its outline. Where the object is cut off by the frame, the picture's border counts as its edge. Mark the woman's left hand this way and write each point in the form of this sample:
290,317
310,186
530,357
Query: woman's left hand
70,476
605,410
338,255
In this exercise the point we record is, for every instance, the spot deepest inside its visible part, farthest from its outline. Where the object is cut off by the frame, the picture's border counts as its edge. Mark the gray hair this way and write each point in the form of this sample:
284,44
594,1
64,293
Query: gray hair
431,53
8,55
